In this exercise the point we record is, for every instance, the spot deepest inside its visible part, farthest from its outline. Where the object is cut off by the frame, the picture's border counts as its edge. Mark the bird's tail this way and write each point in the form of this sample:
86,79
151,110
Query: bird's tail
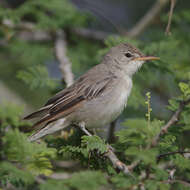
49,129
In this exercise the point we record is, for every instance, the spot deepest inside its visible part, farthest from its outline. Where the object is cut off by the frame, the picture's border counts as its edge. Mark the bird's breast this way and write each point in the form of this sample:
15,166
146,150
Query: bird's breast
120,100
111,106
101,111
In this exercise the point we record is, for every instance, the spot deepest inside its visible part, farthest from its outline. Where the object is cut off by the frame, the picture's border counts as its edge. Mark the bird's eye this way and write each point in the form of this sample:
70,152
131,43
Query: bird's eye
128,55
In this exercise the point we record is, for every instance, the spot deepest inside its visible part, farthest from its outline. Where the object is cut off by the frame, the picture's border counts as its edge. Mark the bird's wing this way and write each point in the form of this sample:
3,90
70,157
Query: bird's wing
81,91
68,100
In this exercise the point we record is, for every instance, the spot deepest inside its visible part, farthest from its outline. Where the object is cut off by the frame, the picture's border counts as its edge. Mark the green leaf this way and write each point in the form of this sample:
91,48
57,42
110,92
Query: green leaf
76,151
148,156
10,174
122,181
173,105
33,156
10,115
94,143
36,77
185,89
85,180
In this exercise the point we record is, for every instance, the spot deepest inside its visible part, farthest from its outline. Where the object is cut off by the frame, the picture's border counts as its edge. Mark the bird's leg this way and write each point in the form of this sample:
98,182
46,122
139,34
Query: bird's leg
82,127
111,136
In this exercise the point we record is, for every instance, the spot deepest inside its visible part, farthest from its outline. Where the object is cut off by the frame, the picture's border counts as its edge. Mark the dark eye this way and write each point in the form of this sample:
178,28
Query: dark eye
128,55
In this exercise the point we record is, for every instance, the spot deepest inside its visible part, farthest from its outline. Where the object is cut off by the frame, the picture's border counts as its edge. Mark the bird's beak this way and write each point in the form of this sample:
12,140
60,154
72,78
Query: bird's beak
146,58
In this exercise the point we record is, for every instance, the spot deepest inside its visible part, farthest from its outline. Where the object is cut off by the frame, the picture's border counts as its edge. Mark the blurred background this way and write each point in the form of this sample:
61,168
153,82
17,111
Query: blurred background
46,44
29,68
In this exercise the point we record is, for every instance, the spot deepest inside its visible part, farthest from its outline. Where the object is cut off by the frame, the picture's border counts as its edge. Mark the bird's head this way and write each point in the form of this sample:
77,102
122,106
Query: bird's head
127,58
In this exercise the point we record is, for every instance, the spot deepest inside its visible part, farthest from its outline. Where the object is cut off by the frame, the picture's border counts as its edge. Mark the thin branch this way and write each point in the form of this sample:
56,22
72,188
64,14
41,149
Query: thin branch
133,165
22,25
170,17
92,34
143,23
41,179
61,55
170,153
60,176
177,181
34,35
171,174
65,164
147,19
3,43
27,31
174,119
117,164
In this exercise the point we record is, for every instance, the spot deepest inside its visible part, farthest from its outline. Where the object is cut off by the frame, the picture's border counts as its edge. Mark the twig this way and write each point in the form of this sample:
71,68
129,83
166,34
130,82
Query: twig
92,34
133,165
27,31
65,164
171,174
146,20
177,181
174,119
170,17
117,164
3,43
41,179
60,176
34,35
61,55
170,153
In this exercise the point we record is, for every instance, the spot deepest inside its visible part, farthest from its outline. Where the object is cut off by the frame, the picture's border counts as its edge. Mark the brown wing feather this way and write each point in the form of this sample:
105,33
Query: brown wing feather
69,99
53,116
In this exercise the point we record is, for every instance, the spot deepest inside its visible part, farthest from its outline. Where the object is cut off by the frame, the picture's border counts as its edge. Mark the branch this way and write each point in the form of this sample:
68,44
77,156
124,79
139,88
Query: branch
144,22
65,164
29,33
61,55
170,153
147,19
26,31
117,164
177,181
170,17
60,176
92,34
41,179
174,119
34,35
3,43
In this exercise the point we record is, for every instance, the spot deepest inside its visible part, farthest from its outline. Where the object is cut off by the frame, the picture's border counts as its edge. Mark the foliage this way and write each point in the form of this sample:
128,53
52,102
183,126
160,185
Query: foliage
32,156
43,13
26,165
36,77
81,180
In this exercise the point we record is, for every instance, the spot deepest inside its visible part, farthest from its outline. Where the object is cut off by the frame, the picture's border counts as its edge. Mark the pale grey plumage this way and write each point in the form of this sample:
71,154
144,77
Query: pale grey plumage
96,98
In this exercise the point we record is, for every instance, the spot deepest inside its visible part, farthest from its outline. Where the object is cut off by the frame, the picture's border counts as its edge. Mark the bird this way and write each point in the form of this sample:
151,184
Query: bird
96,98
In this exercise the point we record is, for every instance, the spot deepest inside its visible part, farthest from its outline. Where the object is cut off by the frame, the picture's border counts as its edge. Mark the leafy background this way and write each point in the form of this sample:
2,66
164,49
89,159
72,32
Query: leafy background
69,160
